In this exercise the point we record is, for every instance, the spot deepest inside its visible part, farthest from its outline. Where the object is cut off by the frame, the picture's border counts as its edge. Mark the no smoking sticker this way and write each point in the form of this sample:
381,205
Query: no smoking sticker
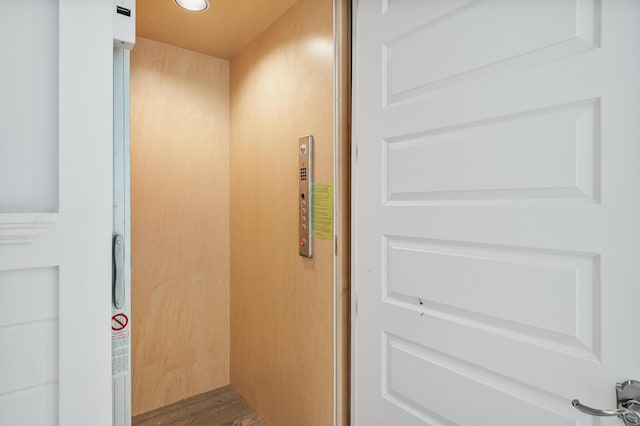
119,322
119,345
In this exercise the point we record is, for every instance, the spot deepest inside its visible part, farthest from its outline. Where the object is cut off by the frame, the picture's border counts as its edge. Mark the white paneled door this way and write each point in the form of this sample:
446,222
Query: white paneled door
55,212
496,210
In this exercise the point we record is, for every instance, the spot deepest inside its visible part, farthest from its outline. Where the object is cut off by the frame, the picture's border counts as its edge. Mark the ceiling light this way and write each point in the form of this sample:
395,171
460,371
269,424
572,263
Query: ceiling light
193,5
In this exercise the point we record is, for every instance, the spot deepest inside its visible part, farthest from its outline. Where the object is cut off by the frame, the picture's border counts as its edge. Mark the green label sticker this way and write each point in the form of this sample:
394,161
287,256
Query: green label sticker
322,200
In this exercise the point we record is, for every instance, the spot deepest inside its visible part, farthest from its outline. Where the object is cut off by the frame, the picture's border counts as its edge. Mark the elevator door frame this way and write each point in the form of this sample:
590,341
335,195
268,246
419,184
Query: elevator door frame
121,339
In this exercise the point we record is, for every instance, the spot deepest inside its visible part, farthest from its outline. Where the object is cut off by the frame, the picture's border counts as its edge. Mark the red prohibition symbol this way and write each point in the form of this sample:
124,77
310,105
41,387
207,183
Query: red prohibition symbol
119,322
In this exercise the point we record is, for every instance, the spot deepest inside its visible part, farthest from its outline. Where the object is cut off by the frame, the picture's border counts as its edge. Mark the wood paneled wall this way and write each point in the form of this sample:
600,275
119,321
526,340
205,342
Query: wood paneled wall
180,223
281,303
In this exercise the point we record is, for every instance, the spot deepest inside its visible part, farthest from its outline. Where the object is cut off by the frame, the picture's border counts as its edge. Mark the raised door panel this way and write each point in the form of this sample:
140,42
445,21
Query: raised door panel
481,49
29,111
29,332
534,155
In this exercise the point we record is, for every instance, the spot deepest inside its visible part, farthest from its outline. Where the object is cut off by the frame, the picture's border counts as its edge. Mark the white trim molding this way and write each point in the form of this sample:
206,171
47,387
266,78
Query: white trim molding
23,228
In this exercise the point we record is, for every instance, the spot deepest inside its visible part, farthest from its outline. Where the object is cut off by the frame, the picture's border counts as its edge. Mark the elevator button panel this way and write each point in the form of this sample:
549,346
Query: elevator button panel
305,173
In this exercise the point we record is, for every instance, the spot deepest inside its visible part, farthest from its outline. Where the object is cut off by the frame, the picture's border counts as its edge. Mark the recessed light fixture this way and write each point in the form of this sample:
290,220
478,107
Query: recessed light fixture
193,5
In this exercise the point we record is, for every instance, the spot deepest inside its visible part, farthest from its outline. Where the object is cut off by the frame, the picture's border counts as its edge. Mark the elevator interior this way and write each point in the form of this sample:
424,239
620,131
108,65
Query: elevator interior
220,294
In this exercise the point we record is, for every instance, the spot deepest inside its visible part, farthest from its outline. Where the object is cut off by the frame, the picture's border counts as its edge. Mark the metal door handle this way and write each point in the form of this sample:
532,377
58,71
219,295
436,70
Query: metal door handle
628,394
118,273
600,413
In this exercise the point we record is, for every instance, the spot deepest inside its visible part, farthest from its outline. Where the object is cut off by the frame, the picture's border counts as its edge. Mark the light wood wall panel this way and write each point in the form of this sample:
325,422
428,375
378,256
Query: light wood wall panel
281,303
180,223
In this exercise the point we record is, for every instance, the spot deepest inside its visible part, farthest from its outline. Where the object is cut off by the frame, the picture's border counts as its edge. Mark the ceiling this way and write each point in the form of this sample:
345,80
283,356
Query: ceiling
221,31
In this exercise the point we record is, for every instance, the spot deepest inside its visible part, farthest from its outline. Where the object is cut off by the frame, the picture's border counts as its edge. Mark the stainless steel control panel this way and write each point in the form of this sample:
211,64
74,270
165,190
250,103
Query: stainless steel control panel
305,171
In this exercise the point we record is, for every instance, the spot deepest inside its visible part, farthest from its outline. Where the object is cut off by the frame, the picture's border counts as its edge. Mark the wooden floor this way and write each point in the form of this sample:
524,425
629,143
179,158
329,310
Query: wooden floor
220,407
